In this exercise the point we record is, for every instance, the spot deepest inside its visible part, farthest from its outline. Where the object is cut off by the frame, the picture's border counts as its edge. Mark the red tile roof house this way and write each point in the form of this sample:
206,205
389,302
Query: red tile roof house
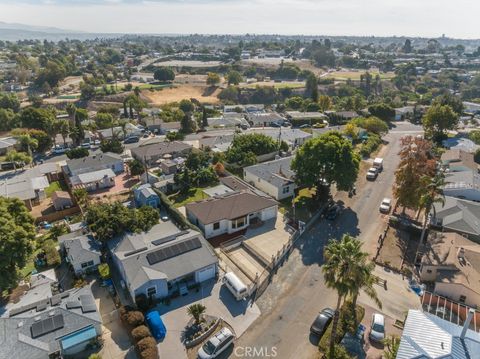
230,213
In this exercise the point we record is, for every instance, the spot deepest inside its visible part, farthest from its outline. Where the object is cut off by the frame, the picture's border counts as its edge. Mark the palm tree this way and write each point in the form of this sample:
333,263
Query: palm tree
28,142
81,197
433,193
64,129
196,311
364,280
391,344
341,259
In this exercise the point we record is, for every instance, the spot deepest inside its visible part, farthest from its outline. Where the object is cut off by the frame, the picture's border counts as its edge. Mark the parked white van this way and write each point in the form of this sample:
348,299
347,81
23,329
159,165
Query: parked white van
378,163
235,285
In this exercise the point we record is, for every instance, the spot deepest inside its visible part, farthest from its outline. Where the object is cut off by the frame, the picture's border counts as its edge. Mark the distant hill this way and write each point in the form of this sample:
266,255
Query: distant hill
14,32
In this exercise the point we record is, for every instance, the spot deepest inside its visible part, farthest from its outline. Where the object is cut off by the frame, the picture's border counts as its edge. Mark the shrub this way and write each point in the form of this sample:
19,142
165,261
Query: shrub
370,145
146,343
135,318
78,152
150,353
123,314
104,270
140,333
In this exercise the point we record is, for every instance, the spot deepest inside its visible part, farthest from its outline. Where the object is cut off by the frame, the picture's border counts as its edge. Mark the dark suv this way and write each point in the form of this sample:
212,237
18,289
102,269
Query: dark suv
321,322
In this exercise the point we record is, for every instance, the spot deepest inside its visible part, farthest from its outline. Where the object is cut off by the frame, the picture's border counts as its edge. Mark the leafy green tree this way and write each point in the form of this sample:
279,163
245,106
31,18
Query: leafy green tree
229,94
213,79
371,124
324,102
186,106
112,145
17,235
9,101
476,156
474,136
104,120
204,118
20,159
454,102
325,160
52,74
438,120
164,74
311,87
174,136
95,356
8,120
187,124
38,118
51,253
109,220
78,152
246,145
196,311
382,111
136,167
295,103
64,130
234,77
28,143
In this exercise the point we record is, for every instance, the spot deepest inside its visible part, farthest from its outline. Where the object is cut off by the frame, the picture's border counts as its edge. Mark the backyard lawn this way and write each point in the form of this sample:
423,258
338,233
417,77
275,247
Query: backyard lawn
194,194
54,186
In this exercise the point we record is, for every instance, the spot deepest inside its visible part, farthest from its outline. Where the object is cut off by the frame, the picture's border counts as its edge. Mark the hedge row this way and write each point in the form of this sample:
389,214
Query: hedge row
146,345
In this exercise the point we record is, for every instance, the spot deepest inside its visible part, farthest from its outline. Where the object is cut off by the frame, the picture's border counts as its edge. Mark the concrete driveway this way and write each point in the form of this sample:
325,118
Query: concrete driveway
116,343
218,301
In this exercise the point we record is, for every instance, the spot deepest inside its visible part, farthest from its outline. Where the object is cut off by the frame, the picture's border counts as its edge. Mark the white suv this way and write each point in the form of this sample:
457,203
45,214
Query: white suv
216,344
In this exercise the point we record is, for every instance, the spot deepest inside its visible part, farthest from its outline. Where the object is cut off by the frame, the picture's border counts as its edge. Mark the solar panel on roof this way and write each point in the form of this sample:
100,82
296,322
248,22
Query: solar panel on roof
173,250
73,304
47,325
135,251
42,305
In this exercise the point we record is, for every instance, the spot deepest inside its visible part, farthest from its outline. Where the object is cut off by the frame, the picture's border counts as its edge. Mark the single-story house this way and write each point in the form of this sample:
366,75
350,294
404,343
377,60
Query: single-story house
404,113
94,163
294,137
346,115
426,336
118,132
157,125
169,167
264,119
82,251
150,154
458,161
230,213
297,117
228,120
452,263
275,178
463,185
145,196
158,262
7,144
52,326
460,143
216,143
30,190
93,181
61,200
458,215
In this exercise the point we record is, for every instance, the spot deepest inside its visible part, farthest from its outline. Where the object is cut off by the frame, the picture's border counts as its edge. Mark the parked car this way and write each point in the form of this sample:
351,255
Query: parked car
333,212
321,322
372,173
385,205
377,328
59,150
286,124
305,126
131,139
275,124
216,344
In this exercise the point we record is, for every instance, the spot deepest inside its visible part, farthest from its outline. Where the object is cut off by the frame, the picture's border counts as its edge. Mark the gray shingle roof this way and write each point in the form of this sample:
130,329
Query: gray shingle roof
80,247
230,206
93,163
276,172
159,149
459,215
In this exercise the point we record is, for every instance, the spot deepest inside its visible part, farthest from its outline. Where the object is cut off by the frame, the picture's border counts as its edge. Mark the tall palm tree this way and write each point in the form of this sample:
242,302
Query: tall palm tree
364,280
28,142
433,193
64,129
341,258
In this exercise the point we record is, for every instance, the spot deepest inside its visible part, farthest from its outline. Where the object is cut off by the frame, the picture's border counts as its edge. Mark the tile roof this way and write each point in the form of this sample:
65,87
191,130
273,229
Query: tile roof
229,206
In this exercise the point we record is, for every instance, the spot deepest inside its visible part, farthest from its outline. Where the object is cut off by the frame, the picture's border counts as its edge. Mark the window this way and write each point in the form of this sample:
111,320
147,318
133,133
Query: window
239,222
286,189
216,226
429,271
151,291
87,264
462,299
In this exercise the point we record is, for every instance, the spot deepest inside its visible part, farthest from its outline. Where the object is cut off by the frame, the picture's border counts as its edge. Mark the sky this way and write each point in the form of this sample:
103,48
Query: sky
426,18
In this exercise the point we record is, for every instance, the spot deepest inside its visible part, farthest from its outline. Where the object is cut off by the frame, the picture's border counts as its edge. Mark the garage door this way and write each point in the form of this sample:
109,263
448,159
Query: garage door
207,273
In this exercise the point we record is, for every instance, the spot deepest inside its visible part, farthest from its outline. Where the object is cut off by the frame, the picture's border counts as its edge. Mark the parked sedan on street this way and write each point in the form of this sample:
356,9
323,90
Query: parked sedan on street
385,205
372,173
377,328
321,322
333,212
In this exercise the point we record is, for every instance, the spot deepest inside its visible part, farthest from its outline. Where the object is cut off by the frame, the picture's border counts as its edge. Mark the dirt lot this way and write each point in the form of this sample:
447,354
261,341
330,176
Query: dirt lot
178,93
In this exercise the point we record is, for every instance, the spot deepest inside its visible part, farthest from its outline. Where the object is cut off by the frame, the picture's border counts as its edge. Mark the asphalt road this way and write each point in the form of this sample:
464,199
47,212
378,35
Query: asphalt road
297,292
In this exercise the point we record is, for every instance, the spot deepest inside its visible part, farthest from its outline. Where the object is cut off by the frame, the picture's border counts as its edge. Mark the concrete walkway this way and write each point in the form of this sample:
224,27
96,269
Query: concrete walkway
218,301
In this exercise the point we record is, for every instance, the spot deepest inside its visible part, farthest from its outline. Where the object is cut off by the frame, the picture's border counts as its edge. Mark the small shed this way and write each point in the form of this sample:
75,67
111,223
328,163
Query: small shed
61,200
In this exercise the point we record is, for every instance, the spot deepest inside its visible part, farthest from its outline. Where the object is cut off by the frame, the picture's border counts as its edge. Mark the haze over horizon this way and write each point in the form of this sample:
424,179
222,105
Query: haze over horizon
412,18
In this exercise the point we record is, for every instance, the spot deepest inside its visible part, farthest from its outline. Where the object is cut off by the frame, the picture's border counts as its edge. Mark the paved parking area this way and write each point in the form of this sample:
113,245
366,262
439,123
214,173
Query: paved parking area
250,266
218,301
116,342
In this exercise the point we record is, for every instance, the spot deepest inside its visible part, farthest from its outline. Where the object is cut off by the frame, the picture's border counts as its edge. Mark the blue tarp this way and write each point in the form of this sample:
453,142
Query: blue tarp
78,337
155,323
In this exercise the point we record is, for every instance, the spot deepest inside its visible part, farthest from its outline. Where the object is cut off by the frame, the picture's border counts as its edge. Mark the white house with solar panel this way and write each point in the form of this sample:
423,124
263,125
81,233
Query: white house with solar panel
46,324
163,260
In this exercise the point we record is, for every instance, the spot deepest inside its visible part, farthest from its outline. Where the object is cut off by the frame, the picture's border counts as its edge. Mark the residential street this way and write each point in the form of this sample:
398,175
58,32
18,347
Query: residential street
298,292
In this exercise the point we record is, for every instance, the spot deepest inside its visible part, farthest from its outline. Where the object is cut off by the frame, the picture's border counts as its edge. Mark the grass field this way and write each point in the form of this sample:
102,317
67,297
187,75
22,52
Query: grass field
54,186
179,92
305,205
355,75
277,85
181,199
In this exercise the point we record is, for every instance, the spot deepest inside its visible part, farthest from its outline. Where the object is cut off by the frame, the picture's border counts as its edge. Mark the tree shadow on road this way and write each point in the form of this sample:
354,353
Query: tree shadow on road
312,243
